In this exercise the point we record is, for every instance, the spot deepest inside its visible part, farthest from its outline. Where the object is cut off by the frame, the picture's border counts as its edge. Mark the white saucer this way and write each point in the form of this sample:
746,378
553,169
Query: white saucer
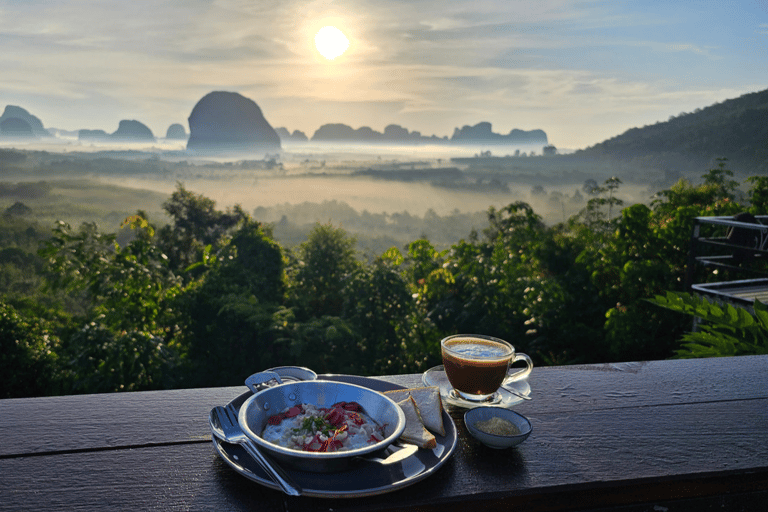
436,377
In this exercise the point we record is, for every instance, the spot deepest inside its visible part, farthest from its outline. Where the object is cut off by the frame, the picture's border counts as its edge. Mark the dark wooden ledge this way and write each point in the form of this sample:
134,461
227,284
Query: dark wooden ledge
658,435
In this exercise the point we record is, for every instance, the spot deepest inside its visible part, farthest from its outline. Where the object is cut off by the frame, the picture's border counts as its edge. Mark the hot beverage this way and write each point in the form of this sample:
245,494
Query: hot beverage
477,366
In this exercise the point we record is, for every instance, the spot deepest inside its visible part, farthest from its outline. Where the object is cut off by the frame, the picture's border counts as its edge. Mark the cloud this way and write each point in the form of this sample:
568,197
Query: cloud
677,47
428,65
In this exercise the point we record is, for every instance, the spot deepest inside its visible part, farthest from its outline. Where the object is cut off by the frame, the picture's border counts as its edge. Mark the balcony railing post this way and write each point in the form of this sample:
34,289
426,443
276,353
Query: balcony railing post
690,268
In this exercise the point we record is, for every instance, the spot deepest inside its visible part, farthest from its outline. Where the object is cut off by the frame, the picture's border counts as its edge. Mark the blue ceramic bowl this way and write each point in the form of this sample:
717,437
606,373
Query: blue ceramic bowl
482,414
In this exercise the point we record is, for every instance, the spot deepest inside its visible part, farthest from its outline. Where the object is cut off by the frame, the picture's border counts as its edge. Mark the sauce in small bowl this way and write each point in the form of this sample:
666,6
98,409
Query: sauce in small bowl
497,427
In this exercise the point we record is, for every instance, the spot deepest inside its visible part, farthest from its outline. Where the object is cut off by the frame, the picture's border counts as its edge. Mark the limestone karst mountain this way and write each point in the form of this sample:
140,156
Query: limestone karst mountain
127,131
227,122
480,133
92,135
19,129
16,128
132,131
483,132
286,136
176,132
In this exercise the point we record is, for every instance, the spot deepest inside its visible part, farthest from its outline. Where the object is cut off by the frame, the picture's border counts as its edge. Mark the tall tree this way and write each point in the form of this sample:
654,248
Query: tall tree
322,265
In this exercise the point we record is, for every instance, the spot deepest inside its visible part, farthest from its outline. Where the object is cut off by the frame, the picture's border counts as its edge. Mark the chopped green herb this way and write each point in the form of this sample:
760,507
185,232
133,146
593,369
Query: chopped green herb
312,424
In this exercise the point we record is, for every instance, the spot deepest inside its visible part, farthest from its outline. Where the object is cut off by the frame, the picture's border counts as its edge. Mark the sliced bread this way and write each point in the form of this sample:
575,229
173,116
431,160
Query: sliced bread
428,402
414,428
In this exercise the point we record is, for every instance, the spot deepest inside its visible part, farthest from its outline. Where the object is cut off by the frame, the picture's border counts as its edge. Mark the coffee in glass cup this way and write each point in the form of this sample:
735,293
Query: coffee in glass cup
477,365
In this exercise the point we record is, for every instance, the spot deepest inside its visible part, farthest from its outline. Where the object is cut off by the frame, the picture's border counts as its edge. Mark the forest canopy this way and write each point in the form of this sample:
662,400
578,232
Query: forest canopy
210,296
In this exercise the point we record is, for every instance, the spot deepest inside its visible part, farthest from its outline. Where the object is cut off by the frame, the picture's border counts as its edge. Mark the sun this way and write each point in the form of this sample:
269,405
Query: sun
331,42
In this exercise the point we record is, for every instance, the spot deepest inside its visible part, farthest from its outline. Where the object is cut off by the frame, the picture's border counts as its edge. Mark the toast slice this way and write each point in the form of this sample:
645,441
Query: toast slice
414,428
428,402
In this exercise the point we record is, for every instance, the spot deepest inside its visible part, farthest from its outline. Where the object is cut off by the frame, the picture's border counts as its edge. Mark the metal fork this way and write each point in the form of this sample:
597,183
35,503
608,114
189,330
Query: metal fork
225,426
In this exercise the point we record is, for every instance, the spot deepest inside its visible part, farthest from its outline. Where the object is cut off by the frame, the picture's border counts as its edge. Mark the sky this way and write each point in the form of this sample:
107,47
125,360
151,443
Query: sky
581,70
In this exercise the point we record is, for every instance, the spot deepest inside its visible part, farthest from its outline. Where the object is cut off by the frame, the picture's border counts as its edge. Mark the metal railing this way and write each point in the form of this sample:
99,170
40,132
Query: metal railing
738,248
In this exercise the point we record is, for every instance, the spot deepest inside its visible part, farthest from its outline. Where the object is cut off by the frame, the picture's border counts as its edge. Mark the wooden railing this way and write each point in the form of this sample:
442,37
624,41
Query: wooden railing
657,435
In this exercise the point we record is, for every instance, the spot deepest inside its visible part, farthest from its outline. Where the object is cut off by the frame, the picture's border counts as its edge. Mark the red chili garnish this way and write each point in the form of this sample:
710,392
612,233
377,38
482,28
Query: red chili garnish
276,419
316,439
373,439
331,442
335,417
293,411
353,406
356,418
348,406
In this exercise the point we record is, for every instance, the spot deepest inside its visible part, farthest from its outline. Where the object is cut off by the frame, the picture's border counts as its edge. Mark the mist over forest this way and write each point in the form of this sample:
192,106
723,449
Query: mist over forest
354,257
383,195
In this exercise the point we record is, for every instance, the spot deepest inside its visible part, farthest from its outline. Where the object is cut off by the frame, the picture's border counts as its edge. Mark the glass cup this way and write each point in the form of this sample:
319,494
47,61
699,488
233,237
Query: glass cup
477,365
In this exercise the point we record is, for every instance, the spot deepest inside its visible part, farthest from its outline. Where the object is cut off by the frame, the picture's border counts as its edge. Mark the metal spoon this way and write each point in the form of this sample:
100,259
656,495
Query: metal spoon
517,393
405,450
224,425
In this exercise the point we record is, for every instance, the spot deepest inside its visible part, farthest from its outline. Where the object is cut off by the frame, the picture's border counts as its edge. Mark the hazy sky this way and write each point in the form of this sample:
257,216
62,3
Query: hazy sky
581,70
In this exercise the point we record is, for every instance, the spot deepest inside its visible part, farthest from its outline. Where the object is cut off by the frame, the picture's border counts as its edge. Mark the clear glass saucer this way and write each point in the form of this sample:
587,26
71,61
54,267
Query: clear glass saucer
502,398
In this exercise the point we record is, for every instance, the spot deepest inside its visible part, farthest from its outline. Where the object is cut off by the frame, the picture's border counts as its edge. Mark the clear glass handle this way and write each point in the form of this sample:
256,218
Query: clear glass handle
522,373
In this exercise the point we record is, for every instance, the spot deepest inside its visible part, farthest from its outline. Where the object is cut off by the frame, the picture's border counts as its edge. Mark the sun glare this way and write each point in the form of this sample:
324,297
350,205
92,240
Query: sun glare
331,42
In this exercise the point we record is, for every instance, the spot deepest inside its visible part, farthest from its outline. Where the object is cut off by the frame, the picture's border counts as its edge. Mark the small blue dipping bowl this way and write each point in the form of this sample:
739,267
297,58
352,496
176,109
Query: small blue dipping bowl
472,416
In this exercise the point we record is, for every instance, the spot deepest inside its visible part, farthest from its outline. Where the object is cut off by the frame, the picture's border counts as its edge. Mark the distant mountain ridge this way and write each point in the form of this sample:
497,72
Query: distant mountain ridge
736,129
481,133
127,131
227,121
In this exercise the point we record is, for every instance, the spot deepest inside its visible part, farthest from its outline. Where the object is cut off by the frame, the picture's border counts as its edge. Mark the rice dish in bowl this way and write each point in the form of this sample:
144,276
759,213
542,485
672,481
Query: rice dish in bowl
305,427
291,400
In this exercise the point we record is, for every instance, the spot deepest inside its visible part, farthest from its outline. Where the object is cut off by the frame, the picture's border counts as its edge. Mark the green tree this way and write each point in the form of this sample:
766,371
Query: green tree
594,214
125,287
720,180
230,315
647,254
196,226
327,344
28,356
128,334
378,305
758,195
100,360
318,274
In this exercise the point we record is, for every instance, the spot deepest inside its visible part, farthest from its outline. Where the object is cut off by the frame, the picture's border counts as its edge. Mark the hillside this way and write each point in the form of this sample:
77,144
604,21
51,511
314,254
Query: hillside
736,129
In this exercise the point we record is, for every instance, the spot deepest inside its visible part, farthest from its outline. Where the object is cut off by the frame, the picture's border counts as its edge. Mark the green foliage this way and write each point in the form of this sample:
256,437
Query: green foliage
645,255
758,195
719,179
327,344
100,360
231,317
722,329
126,288
377,304
28,356
196,227
322,264
211,297
20,266
734,128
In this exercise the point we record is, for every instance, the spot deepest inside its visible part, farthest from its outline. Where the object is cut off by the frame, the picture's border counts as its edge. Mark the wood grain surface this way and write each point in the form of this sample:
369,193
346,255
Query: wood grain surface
685,434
